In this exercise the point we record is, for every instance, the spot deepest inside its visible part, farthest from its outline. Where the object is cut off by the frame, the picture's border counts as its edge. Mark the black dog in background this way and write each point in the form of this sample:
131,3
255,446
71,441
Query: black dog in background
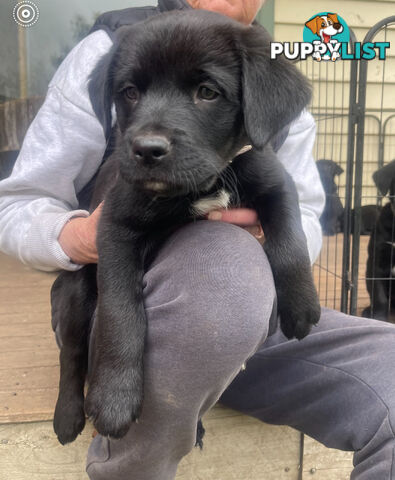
7,161
191,89
369,217
381,251
332,218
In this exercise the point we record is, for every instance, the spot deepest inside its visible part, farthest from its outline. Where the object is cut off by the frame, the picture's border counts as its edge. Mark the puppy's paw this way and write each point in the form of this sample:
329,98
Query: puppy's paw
367,312
298,319
335,56
69,418
317,56
113,407
376,314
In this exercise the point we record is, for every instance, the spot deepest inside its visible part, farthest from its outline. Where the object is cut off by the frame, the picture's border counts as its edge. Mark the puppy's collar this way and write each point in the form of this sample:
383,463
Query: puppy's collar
242,150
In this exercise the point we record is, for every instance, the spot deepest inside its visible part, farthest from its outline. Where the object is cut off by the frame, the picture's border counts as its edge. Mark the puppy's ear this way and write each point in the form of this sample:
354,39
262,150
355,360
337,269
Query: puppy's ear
313,24
333,17
337,169
274,92
384,177
100,91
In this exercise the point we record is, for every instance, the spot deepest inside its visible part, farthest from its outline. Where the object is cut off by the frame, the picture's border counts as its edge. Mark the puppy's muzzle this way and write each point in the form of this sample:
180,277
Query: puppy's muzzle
150,150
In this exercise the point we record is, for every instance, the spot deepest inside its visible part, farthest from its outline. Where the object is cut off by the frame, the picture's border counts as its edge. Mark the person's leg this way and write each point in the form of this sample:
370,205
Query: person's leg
337,385
209,296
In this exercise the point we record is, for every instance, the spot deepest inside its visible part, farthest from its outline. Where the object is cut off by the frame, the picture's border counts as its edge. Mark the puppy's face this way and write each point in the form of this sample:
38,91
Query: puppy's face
190,89
178,106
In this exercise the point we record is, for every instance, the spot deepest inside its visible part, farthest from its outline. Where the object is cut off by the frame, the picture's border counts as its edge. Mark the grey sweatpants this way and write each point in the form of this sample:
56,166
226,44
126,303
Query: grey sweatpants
209,295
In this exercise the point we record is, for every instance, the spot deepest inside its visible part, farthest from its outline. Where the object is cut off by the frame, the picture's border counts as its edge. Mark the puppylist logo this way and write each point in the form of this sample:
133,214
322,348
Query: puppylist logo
326,37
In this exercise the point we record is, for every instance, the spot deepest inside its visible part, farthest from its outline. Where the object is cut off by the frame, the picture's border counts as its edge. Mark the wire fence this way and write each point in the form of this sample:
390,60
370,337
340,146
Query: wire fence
354,109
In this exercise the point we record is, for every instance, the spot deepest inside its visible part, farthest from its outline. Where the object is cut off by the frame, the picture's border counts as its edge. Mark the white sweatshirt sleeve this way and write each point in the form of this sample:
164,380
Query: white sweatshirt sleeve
61,151
296,156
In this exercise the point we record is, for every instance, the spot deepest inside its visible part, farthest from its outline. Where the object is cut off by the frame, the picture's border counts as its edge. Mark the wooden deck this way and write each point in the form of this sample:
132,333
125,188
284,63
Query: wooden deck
328,272
236,447
28,354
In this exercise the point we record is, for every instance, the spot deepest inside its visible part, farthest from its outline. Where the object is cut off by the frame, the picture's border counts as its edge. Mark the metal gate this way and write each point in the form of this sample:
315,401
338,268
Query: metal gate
355,117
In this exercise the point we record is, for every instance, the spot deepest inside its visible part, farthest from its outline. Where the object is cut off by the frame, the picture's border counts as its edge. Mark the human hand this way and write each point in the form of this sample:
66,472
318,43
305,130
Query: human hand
78,238
244,217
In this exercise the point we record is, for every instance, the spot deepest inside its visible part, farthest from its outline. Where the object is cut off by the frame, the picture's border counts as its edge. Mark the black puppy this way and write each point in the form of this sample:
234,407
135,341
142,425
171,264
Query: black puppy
369,216
381,251
332,216
7,161
191,89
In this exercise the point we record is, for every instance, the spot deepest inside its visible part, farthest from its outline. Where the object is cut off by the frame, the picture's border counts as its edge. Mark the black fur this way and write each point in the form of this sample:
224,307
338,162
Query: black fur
381,251
168,131
7,162
332,216
369,216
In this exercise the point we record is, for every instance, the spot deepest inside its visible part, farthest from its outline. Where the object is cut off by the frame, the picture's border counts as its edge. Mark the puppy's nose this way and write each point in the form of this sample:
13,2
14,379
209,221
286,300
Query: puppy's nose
150,149
337,26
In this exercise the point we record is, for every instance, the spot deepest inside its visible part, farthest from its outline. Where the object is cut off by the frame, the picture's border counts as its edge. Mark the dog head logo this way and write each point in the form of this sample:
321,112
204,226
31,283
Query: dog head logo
326,31
325,26
326,36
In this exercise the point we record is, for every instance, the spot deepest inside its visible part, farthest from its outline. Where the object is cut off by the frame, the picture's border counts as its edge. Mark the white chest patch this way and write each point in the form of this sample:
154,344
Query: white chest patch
204,205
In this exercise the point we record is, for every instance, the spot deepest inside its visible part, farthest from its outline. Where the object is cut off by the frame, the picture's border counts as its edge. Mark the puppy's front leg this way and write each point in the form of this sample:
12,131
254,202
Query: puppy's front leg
115,391
286,248
73,298
271,191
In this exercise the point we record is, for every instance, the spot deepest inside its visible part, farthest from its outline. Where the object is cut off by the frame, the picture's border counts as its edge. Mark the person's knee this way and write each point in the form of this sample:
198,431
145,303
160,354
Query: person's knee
216,279
219,246
210,258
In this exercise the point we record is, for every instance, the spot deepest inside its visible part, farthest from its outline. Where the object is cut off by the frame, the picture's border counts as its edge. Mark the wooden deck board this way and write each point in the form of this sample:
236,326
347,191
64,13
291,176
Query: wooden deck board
31,452
23,378
235,448
41,357
29,358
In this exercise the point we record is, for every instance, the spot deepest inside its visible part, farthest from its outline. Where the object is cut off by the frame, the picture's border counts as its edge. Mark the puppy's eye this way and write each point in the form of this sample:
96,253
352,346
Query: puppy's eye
322,24
206,93
132,93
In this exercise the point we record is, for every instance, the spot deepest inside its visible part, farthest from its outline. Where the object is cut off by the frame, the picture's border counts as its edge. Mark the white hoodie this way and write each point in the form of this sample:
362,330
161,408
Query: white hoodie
64,147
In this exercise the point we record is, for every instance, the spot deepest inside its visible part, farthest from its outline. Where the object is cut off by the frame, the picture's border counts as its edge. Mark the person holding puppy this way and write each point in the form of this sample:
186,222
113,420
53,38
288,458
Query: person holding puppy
326,385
